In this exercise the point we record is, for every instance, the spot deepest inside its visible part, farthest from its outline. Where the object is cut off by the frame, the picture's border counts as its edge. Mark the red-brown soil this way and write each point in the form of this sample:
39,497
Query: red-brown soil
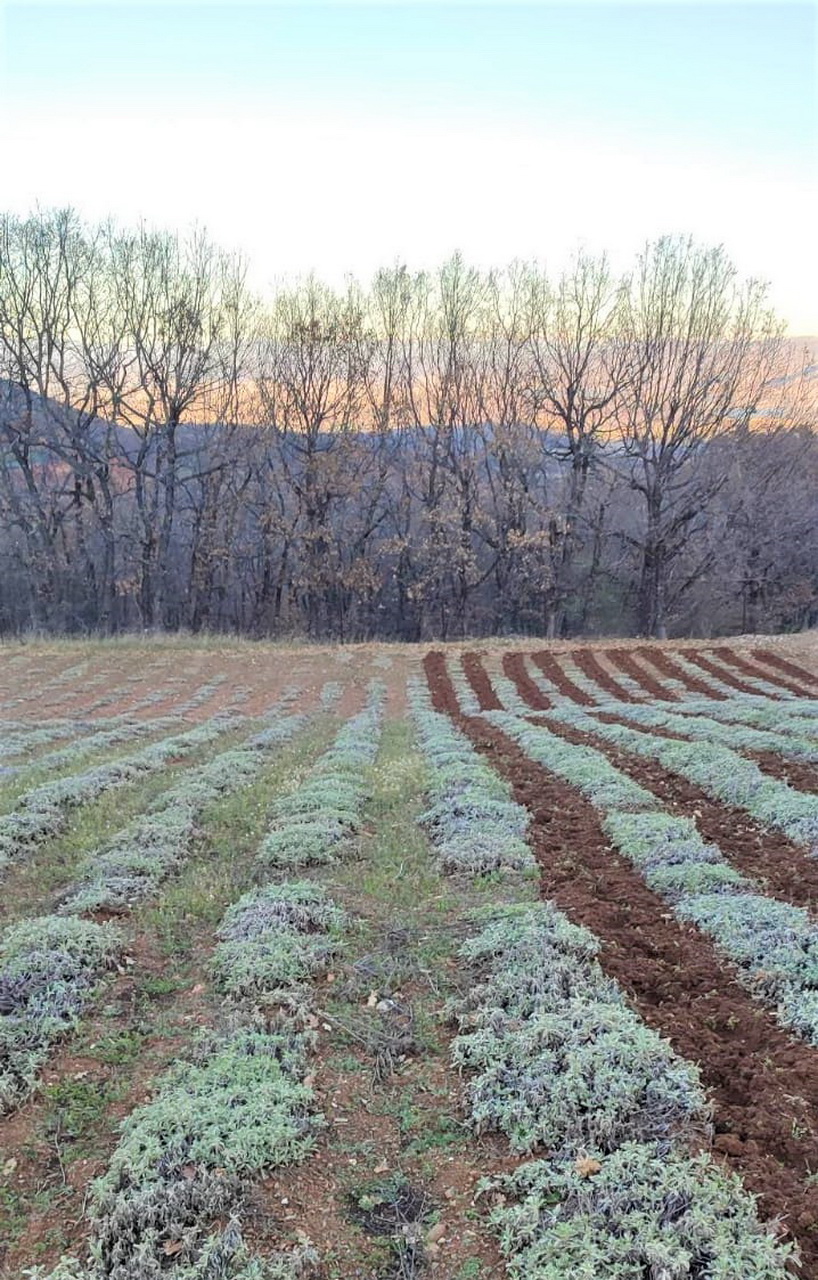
783,664
721,673
734,659
625,661
588,662
796,773
761,1080
478,679
550,667
364,1139
514,667
789,872
663,663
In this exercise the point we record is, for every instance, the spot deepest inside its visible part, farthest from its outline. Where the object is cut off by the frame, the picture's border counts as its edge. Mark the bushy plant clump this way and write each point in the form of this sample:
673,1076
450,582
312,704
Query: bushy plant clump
21,739
799,718
736,736
720,772
556,1059
135,864
588,770
555,1056
239,1107
671,854
142,856
760,935
102,739
467,699
48,970
201,695
223,1256
641,1211
506,691
154,845
774,943
42,812
274,939
474,824
314,822
330,694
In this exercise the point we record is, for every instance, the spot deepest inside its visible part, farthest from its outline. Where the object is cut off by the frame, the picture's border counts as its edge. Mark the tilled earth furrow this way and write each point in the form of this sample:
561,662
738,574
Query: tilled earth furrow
762,1080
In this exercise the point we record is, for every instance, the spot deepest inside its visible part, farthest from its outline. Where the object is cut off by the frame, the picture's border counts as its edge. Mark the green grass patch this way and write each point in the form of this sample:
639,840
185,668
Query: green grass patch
221,869
53,864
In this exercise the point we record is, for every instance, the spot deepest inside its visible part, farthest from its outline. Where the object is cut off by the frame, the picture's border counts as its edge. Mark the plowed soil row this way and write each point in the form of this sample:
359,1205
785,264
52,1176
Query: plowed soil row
721,673
550,667
727,655
789,668
663,662
481,684
796,773
799,774
624,659
514,667
588,662
762,1081
787,870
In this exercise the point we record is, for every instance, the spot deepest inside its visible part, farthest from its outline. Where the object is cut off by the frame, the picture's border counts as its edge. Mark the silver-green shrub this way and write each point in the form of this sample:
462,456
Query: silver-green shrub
49,968
646,1212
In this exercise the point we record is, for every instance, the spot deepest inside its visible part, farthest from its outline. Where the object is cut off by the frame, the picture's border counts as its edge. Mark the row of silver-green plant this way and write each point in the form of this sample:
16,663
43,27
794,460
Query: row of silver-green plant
21,739
238,1104
88,735
720,679
50,965
241,1103
555,1058
773,944
43,811
721,772
475,825
792,727
312,823
799,718
705,728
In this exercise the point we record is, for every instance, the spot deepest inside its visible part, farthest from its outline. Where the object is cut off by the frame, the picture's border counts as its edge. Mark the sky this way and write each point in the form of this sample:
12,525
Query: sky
342,137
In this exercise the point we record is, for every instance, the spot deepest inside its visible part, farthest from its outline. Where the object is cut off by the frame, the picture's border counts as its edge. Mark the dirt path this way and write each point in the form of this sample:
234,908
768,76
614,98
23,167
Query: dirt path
763,1082
663,663
514,667
588,662
550,667
733,659
625,661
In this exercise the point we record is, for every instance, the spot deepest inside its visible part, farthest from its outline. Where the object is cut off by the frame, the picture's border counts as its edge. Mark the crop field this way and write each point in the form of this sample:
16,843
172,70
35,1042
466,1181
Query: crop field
384,962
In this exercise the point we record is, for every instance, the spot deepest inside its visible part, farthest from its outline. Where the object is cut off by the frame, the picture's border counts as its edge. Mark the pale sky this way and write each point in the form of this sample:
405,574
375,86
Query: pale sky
342,137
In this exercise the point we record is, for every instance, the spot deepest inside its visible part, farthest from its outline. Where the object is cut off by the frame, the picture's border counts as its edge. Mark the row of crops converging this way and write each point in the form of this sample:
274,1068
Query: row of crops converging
632,1007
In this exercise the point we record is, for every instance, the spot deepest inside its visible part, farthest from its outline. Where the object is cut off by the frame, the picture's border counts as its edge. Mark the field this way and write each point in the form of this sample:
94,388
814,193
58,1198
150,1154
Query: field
395,961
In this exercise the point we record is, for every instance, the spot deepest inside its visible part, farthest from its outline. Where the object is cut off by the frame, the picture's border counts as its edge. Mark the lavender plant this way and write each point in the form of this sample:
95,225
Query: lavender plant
474,824
49,968
639,1211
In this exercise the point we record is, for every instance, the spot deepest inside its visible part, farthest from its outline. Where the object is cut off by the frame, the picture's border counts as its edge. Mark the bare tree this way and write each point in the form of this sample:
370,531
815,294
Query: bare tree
447,453
701,351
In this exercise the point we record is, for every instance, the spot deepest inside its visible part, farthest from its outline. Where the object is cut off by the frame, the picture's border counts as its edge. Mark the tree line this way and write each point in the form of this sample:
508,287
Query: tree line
436,454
